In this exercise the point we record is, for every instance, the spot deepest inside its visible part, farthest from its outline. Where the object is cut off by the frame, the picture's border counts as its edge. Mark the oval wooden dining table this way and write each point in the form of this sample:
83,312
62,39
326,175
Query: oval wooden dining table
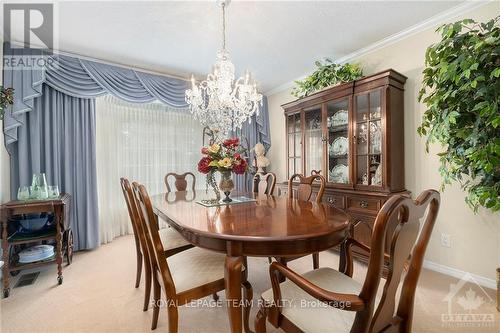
269,227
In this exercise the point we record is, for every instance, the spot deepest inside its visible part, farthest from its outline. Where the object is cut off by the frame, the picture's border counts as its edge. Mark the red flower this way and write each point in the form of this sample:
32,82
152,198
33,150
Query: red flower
231,143
240,168
204,151
203,165
237,156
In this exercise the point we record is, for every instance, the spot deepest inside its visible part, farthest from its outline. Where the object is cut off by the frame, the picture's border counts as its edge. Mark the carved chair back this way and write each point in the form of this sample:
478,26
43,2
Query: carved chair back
304,189
159,265
264,183
315,172
132,210
414,221
180,182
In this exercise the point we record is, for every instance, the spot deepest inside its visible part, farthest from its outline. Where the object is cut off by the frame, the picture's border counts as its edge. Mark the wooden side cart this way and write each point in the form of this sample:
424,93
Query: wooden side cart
62,235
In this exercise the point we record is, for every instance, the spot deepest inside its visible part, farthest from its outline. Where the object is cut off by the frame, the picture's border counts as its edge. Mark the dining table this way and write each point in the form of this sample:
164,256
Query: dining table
252,225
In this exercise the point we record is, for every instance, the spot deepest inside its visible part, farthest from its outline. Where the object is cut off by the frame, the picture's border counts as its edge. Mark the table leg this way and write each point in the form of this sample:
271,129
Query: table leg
232,276
5,256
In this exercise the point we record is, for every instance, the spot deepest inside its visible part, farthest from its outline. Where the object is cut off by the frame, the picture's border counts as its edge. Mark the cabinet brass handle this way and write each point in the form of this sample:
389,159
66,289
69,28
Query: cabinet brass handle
332,200
363,204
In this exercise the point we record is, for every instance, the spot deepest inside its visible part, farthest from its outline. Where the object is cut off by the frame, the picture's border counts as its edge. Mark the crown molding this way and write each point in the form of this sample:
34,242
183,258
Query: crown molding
465,7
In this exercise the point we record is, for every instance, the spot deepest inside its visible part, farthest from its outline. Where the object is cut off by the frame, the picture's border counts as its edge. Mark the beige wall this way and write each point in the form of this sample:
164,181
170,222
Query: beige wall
4,157
475,239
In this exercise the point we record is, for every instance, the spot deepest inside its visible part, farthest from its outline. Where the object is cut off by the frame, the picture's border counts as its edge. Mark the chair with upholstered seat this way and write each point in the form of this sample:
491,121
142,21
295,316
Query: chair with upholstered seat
172,240
180,181
181,186
303,192
263,183
337,303
185,276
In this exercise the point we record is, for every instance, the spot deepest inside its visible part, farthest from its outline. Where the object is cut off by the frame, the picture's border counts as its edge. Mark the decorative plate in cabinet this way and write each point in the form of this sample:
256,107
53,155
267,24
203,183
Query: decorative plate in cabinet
340,118
340,146
339,174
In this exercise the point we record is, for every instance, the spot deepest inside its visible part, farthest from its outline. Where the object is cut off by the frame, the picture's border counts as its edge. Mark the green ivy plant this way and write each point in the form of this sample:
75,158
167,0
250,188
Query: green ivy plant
327,74
461,89
6,98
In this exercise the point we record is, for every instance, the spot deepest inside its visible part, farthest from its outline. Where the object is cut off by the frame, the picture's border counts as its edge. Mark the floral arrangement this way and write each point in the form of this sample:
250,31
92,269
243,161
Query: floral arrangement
6,98
227,155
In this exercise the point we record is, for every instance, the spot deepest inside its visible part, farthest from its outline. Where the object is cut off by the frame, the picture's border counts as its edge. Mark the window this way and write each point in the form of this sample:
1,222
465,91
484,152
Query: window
141,142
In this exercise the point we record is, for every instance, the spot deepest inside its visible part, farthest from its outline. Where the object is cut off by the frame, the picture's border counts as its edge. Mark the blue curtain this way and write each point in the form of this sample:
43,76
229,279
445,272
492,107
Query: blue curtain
80,78
27,86
252,133
58,138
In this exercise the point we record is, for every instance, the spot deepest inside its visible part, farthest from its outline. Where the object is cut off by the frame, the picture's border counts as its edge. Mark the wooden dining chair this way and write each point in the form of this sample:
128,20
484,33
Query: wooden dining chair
303,192
172,240
304,188
263,183
349,306
125,185
315,172
180,182
185,276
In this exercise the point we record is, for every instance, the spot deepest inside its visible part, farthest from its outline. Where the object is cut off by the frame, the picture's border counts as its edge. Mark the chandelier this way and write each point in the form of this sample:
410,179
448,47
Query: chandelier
221,102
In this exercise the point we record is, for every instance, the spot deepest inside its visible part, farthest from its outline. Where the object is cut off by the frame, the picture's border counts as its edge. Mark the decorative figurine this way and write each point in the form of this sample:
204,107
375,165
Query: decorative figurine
377,178
365,179
261,161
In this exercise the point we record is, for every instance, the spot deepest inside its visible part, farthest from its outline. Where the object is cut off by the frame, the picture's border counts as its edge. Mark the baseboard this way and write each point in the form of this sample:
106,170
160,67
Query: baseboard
457,273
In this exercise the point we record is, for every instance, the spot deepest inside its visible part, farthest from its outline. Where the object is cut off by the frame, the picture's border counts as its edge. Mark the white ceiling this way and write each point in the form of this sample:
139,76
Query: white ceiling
278,41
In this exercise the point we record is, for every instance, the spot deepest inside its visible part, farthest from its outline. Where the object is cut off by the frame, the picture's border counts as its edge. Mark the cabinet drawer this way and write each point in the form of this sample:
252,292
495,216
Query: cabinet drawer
335,200
364,205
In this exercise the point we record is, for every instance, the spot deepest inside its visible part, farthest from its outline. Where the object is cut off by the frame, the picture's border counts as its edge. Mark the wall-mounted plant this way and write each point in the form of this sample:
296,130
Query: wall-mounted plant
6,98
327,74
461,89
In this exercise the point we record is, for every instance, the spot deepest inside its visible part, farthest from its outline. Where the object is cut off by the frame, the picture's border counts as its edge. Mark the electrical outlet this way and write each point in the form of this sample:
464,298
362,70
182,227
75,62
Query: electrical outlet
445,240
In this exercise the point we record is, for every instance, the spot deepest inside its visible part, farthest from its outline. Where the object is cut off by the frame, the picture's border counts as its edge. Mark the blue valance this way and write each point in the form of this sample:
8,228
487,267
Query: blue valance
79,78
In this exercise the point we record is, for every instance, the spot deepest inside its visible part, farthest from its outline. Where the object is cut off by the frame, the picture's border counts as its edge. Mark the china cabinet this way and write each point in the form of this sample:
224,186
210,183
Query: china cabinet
353,135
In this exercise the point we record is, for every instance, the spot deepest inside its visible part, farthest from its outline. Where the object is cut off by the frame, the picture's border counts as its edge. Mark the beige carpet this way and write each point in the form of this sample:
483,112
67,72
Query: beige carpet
98,295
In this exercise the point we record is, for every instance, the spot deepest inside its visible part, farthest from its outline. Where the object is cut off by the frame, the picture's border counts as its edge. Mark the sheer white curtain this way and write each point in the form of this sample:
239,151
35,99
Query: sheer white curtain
142,142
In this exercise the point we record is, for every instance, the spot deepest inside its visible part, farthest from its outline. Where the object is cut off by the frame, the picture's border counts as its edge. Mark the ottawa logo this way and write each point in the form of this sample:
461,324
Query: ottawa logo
467,305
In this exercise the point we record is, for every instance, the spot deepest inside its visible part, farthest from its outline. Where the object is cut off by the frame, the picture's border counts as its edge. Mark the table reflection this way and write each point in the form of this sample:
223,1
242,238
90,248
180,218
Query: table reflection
187,196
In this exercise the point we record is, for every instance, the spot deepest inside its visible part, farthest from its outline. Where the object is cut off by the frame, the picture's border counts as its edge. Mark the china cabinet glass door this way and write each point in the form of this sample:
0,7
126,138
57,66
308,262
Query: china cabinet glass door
369,156
313,140
294,144
337,124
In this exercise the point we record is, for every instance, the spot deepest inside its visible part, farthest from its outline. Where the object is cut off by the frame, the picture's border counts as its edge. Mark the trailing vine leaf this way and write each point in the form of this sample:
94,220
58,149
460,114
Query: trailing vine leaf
6,98
461,88
327,74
